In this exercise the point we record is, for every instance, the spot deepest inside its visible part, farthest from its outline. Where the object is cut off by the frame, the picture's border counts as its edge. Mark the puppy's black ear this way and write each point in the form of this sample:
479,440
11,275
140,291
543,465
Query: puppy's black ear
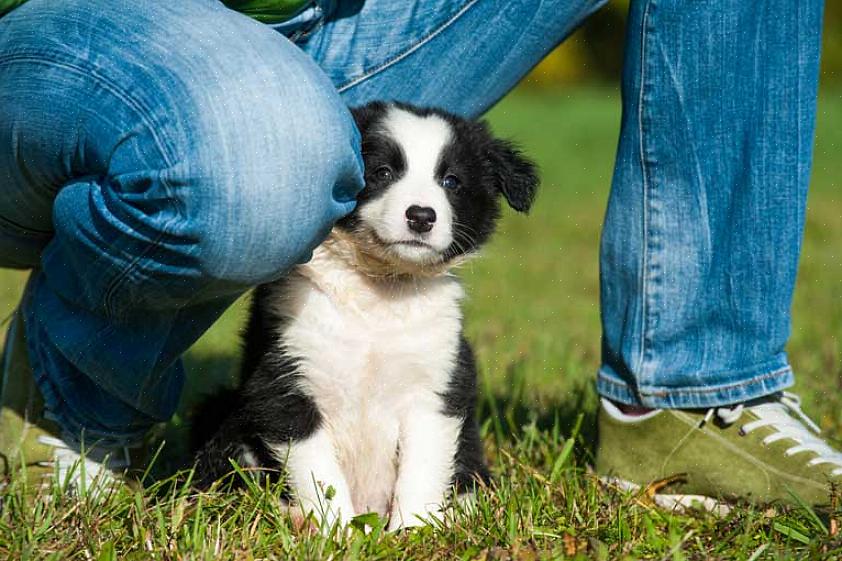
364,115
516,175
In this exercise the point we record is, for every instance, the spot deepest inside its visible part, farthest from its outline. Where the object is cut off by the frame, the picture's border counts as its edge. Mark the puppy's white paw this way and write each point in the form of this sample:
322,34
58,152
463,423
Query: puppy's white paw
403,518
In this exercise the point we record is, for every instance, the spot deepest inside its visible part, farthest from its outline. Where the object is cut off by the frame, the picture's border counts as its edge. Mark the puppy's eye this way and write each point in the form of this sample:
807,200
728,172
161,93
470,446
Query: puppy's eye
450,181
383,173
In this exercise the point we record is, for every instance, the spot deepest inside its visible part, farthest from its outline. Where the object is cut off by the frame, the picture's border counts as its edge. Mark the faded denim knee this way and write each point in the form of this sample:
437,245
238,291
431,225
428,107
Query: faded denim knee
235,165
201,152
270,169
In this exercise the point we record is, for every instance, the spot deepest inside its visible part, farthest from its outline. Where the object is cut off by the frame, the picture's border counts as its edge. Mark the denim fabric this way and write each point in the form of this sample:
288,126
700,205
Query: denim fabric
460,55
159,158
156,160
702,235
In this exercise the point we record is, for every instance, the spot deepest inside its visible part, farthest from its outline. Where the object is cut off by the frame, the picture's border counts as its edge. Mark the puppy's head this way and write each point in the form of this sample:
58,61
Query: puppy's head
433,185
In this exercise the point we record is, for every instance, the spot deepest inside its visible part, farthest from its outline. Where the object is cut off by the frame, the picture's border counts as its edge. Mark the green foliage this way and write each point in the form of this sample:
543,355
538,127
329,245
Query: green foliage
533,314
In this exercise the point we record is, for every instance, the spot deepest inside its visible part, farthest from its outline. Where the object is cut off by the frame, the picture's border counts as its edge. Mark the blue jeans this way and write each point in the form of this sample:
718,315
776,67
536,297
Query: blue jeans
159,158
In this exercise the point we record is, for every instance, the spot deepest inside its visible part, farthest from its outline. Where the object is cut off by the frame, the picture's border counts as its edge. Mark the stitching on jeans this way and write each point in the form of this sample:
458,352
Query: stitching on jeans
725,387
412,48
146,119
644,284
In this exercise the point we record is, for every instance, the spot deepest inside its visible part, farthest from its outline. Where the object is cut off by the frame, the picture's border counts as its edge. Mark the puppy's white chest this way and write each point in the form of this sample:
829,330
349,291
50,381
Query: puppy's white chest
385,344
370,356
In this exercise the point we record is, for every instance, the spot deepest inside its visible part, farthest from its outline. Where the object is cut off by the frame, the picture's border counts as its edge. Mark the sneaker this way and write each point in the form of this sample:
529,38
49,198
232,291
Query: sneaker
31,444
762,451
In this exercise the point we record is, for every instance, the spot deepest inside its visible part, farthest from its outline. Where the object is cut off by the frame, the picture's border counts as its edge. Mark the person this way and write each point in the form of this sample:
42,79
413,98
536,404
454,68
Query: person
158,159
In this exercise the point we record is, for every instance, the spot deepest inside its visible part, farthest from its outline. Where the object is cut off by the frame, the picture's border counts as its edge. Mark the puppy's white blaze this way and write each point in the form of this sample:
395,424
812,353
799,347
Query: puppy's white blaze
422,139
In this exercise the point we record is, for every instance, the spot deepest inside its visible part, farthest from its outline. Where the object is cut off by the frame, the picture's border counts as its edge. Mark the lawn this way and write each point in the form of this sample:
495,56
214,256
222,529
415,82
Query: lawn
532,314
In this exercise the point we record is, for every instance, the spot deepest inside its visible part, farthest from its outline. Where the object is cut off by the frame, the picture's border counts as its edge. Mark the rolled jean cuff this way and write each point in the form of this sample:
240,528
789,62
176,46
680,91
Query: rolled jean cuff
73,430
53,372
725,389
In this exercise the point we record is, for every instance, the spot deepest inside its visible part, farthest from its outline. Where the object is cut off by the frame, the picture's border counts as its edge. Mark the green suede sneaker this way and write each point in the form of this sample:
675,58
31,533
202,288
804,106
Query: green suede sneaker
31,445
762,451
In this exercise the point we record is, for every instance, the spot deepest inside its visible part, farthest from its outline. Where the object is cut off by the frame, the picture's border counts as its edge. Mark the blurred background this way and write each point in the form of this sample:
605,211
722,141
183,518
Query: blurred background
594,53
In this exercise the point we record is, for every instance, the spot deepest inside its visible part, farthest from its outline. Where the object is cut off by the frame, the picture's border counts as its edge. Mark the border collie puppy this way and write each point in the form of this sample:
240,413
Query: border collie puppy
357,382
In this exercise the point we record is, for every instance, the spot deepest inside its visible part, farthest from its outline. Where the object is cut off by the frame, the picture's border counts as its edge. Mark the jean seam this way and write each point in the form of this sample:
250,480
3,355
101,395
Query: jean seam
142,113
409,50
647,276
696,391
116,282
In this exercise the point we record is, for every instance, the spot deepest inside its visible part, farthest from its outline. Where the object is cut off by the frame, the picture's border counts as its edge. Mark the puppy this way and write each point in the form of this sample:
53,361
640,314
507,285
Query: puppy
357,382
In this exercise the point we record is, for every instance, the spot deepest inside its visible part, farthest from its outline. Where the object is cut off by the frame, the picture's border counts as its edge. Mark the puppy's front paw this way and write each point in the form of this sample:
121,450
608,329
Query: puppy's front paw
326,510
412,517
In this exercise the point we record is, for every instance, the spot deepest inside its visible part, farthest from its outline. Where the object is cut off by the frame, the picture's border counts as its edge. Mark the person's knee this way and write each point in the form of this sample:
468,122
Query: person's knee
267,159
271,182
225,153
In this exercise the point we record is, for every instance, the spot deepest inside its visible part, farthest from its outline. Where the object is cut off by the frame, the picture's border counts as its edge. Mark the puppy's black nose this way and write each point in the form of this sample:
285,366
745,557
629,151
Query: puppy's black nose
420,218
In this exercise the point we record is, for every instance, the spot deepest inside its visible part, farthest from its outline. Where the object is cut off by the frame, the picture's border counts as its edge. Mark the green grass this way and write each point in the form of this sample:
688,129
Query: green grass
533,317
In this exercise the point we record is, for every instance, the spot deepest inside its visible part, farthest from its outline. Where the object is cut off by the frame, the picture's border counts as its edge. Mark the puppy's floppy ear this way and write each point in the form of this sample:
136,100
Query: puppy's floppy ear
364,115
515,175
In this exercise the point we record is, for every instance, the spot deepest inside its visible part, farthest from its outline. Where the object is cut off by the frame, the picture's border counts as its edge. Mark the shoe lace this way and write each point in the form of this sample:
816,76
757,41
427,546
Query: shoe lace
89,468
788,420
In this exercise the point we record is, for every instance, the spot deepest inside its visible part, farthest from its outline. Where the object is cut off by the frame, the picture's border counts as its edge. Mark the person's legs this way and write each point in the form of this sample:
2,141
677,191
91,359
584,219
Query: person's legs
156,160
463,57
701,239
700,251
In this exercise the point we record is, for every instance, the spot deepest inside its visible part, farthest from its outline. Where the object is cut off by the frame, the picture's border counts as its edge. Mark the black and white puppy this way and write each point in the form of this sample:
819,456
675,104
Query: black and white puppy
356,380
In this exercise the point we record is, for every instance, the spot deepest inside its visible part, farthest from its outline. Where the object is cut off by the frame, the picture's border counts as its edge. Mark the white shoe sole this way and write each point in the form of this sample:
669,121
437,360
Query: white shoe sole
674,503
